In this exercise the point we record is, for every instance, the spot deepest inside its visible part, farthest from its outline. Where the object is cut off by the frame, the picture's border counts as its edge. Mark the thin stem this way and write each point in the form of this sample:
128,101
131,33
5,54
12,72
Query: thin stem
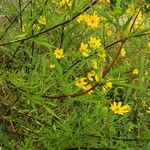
51,28
20,13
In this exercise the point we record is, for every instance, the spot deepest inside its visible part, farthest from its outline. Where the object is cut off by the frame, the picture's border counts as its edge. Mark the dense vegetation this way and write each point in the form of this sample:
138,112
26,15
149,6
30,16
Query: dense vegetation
74,74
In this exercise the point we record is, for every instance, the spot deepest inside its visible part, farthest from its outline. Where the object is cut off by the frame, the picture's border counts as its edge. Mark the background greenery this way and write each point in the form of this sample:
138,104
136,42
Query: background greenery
41,108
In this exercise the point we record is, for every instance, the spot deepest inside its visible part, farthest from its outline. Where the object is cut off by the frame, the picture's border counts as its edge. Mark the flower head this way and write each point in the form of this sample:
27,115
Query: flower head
91,75
135,71
119,109
42,20
83,49
88,88
65,2
108,85
59,53
82,17
93,21
102,55
81,82
123,52
52,66
94,43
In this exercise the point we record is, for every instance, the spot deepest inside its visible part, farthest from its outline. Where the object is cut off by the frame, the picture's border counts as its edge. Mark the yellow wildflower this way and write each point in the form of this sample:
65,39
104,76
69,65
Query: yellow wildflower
93,21
81,82
94,63
91,75
83,17
135,71
80,18
88,87
108,1
102,55
52,66
83,49
59,53
109,84
42,20
119,109
94,43
148,44
123,52
65,2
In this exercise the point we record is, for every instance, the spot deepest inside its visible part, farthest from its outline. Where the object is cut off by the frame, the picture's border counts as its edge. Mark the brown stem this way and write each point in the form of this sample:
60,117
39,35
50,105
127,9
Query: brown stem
105,71
54,27
135,19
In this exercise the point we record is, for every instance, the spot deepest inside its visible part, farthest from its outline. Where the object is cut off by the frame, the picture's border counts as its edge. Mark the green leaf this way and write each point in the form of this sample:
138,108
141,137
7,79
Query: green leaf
44,43
21,36
127,24
49,110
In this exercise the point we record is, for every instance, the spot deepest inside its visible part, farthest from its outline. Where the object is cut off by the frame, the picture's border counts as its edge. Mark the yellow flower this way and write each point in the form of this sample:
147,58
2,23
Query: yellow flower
94,63
148,44
119,109
81,83
109,84
88,87
94,43
93,21
135,71
108,1
65,2
83,17
91,75
126,108
42,20
83,49
80,18
123,52
59,53
52,66
102,55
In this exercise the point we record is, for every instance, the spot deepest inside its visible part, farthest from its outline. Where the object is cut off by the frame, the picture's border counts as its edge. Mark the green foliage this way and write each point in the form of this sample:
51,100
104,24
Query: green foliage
57,100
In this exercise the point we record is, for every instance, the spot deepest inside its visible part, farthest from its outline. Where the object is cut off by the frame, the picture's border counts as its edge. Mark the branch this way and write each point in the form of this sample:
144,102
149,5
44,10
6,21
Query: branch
54,27
13,22
135,19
